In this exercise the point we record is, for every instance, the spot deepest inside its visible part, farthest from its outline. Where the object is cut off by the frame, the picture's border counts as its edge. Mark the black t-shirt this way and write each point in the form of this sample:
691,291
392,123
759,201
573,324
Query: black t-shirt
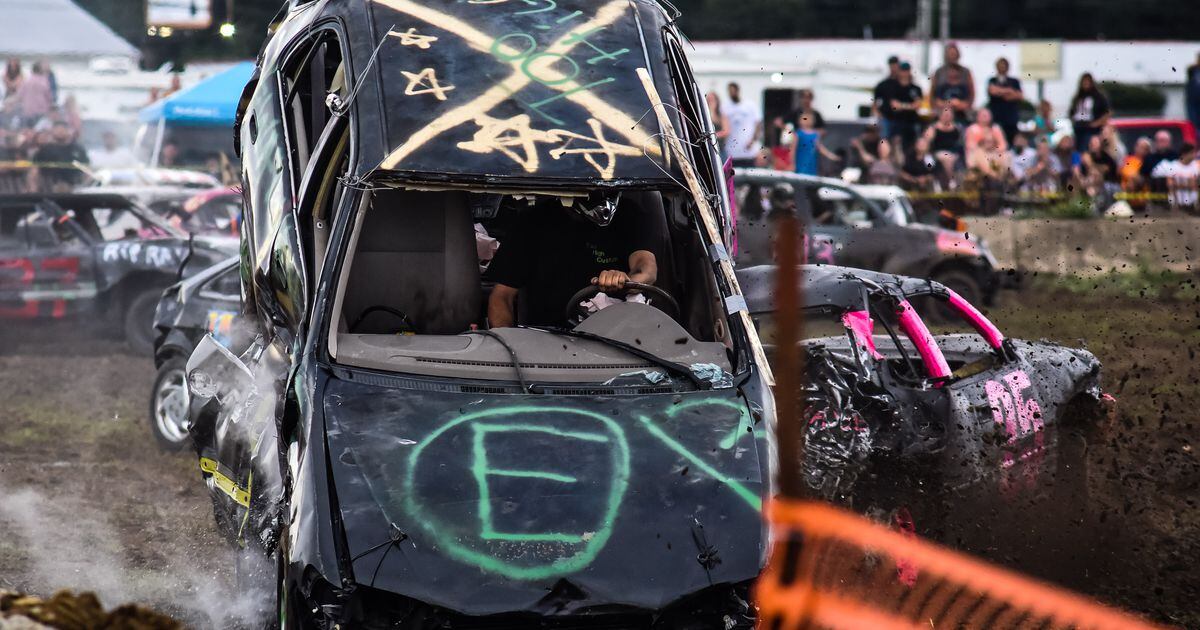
895,91
886,86
552,253
1089,108
1005,112
60,156
951,91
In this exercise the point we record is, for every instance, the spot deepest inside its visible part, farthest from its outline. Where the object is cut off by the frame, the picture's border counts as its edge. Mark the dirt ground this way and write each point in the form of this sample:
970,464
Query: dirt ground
88,501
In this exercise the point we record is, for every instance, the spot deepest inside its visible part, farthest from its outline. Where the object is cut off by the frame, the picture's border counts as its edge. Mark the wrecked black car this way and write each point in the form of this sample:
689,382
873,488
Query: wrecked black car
889,402
92,255
844,228
207,303
441,421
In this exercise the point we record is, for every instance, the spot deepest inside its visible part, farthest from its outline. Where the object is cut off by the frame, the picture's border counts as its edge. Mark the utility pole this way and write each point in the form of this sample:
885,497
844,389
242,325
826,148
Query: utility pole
925,31
944,22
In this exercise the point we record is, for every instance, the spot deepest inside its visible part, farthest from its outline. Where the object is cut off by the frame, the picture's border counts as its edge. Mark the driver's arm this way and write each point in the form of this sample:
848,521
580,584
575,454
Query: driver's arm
502,307
643,268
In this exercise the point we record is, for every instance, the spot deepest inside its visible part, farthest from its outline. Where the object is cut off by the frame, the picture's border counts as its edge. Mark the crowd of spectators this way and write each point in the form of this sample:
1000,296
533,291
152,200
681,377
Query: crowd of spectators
950,139
38,126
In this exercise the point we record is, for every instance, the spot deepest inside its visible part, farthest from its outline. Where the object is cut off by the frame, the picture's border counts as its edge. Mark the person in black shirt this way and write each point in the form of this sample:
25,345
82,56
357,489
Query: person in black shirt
1089,110
920,169
59,153
901,100
1005,99
884,87
554,252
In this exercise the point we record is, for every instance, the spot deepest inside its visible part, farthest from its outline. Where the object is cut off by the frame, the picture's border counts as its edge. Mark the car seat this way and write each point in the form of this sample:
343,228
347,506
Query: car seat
415,257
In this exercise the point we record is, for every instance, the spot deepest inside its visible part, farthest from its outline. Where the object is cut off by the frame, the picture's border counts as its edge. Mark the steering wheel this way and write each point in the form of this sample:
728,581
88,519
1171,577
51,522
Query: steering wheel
406,323
590,291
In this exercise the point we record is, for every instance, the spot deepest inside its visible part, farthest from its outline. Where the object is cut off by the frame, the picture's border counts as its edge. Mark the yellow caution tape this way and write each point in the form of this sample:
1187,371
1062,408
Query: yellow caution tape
29,164
227,485
1034,196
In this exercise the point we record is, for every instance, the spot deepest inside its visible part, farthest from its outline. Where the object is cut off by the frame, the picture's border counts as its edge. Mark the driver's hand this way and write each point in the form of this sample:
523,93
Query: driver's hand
611,281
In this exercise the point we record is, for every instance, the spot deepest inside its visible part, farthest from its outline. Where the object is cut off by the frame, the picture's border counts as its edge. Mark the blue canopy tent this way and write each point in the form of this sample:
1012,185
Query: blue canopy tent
193,115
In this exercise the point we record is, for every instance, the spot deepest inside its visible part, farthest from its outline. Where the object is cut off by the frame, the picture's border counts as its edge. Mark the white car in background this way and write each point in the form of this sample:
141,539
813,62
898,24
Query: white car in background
893,200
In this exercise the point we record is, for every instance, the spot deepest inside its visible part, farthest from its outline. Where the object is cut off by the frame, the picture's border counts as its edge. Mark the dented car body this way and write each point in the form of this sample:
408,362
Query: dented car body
957,411
396,462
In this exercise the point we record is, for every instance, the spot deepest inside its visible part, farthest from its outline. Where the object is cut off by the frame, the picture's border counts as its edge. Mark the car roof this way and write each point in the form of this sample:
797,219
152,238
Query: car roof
75,198
831,286
505,94
766,173
879,191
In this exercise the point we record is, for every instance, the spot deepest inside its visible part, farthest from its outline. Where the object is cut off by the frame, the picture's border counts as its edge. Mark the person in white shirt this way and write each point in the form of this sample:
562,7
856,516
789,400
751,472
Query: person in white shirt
1183,182
745,129
1024,156
113,155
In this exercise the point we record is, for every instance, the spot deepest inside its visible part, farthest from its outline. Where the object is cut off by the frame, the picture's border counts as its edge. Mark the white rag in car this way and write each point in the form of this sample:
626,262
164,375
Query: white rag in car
603,301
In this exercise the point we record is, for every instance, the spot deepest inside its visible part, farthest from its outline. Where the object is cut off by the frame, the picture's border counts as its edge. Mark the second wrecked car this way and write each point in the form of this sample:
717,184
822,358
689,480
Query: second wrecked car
885,394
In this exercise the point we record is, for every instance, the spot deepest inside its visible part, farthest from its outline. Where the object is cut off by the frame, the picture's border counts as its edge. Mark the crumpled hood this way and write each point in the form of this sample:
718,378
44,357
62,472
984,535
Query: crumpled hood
547,504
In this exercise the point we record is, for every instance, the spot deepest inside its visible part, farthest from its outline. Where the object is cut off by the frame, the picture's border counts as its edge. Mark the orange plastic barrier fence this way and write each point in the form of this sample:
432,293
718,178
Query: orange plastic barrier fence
833,569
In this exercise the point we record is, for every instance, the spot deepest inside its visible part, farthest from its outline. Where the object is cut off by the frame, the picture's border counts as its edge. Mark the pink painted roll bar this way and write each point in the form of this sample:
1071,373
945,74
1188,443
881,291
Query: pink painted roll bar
978,321
917,332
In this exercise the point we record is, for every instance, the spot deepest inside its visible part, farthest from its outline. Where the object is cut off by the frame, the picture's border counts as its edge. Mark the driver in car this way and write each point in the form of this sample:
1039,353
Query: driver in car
555,251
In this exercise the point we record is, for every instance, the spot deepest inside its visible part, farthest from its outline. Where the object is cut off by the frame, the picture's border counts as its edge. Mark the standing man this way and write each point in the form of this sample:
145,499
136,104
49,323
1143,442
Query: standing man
886,86
1004,99
745,129
1193,92
901,102
951,54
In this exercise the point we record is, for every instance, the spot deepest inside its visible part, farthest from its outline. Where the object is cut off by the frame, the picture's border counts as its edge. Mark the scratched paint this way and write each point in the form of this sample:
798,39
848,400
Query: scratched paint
547,91
532,492
567,551
137,253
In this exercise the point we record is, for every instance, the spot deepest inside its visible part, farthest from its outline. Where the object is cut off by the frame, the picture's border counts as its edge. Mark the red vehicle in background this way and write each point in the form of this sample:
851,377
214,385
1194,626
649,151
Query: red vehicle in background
1130,129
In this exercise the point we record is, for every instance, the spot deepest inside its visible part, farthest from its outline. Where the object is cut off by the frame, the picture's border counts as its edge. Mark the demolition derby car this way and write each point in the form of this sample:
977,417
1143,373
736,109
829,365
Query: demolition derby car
390,453
207,303
889,402
845,228
92,254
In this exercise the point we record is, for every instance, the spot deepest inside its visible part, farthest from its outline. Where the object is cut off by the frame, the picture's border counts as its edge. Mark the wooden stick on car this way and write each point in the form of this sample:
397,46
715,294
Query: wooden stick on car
707,218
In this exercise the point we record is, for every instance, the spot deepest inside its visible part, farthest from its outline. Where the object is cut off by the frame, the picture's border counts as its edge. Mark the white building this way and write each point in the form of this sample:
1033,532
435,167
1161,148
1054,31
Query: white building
843,72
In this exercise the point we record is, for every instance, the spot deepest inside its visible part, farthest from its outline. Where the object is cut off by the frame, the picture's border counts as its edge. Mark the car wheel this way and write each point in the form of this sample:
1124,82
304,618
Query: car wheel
139,322
169,402
961,283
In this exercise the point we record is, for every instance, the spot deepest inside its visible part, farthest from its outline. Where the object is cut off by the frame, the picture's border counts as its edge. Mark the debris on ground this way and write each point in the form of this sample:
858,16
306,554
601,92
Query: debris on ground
70,611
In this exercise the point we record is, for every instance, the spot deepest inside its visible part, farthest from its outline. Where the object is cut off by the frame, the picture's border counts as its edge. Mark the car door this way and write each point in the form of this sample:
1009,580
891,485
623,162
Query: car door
289,137
45,263
996,402
860,234
828,233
